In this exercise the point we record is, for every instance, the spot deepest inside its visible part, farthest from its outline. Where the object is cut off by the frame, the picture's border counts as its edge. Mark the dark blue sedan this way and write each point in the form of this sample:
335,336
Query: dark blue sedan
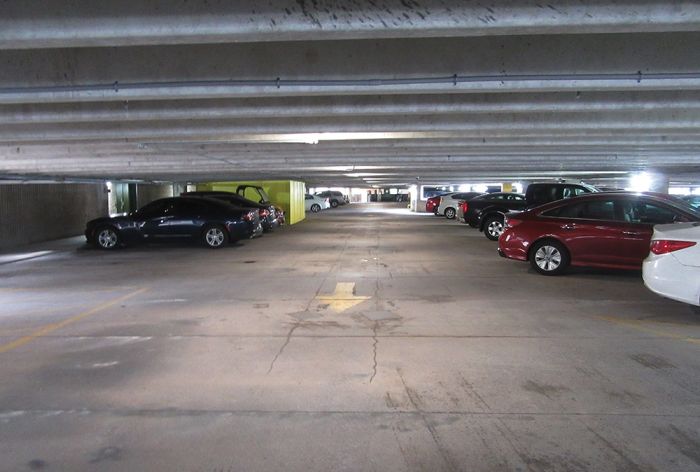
213,222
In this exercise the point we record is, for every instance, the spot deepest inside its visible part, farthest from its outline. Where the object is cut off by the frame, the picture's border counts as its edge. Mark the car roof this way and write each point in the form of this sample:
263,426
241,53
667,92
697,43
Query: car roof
591,188
653,196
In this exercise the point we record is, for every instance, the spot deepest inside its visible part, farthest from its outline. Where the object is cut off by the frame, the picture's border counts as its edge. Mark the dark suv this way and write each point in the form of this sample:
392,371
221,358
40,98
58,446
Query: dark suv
334,197
537,194
486,211
540,193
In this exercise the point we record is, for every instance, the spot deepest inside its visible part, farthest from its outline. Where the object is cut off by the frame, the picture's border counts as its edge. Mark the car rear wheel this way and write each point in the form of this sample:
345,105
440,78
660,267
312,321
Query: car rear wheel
214,236
549,257
315,208
450,213
334,203
106,237
493,227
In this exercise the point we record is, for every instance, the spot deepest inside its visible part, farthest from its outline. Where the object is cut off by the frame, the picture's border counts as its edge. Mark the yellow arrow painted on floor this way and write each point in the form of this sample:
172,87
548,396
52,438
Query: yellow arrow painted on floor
343,298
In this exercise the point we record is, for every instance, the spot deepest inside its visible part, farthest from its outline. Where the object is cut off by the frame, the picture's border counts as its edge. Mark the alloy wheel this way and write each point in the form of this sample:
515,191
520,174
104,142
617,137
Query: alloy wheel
107,238
495,228
214,237
548,258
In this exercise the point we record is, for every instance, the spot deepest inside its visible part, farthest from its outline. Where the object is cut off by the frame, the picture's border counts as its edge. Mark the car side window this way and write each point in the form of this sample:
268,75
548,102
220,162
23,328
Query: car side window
518,198
603,210
187,208
156,208
568,192
599,210
309,197
652,213
565,211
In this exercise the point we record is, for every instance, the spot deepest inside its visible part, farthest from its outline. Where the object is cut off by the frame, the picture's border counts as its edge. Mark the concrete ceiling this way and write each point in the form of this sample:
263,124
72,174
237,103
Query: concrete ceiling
349,93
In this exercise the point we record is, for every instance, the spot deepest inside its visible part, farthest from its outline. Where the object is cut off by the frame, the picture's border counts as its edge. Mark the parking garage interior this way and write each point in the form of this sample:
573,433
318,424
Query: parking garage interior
369,336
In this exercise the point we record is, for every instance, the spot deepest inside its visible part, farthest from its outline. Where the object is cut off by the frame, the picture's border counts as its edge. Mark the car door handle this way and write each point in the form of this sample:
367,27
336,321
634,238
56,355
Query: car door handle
568,226
631,233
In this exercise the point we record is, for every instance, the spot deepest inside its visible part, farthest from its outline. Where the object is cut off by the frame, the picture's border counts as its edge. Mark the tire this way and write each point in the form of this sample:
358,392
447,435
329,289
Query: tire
493,227
435,212
315,208
214,236
450,213
334,203
549,257
106,238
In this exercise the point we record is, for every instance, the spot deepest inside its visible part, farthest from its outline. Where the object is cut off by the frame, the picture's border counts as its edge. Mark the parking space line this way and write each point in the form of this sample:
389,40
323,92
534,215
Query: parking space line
54,326
643,326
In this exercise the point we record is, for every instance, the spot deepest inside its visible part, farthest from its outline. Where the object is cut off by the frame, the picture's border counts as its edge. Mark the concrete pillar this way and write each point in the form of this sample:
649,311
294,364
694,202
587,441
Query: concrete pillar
659,183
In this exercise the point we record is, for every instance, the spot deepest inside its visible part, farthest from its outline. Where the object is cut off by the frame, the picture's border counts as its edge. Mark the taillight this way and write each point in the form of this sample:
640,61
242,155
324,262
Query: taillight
511,222
465,206
250,216
664,246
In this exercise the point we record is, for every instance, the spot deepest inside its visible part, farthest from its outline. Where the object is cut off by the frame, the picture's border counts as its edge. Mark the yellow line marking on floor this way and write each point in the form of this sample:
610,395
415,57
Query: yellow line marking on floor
642,326
343,298
43,331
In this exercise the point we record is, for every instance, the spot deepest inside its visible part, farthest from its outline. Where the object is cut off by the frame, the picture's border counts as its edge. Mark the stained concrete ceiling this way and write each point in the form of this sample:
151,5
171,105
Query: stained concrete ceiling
349,93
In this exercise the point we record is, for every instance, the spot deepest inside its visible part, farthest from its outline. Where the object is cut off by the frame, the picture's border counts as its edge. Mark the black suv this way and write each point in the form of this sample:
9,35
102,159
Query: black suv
486,211
537,194
334,197
540,193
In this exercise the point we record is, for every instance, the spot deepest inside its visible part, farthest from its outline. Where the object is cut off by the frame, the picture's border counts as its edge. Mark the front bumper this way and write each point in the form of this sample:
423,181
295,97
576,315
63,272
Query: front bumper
512,246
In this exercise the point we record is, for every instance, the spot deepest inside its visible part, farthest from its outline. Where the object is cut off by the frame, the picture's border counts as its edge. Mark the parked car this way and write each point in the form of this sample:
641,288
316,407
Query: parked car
266,211
610,230
213,222
431,205
486,211
314,203
449,202
672,268
539,193
692,200
334,197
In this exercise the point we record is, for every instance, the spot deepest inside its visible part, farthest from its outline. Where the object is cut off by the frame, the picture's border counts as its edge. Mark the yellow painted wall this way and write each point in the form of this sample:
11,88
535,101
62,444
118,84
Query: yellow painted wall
287,194
507,187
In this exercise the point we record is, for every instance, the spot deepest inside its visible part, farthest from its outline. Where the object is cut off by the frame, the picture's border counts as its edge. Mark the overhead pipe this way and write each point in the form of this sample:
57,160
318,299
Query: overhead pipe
327,87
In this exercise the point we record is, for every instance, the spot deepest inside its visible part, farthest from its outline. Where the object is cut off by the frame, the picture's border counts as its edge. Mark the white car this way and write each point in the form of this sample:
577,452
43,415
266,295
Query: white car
314,203
449,203
672,268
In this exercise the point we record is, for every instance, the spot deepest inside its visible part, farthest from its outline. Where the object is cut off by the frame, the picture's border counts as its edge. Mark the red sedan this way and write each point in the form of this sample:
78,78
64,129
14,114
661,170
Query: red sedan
432,204
611,230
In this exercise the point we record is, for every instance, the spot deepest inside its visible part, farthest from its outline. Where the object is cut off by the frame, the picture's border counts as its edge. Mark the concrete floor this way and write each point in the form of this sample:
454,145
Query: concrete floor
264,356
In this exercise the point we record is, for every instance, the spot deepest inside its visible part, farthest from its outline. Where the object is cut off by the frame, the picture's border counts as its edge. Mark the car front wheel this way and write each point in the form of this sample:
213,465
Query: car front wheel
107,237
334,203
493,228
549,257
450,213
214,237
315,208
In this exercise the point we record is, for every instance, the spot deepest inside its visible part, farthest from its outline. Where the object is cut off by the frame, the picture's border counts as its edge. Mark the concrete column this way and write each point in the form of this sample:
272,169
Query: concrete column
659,183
